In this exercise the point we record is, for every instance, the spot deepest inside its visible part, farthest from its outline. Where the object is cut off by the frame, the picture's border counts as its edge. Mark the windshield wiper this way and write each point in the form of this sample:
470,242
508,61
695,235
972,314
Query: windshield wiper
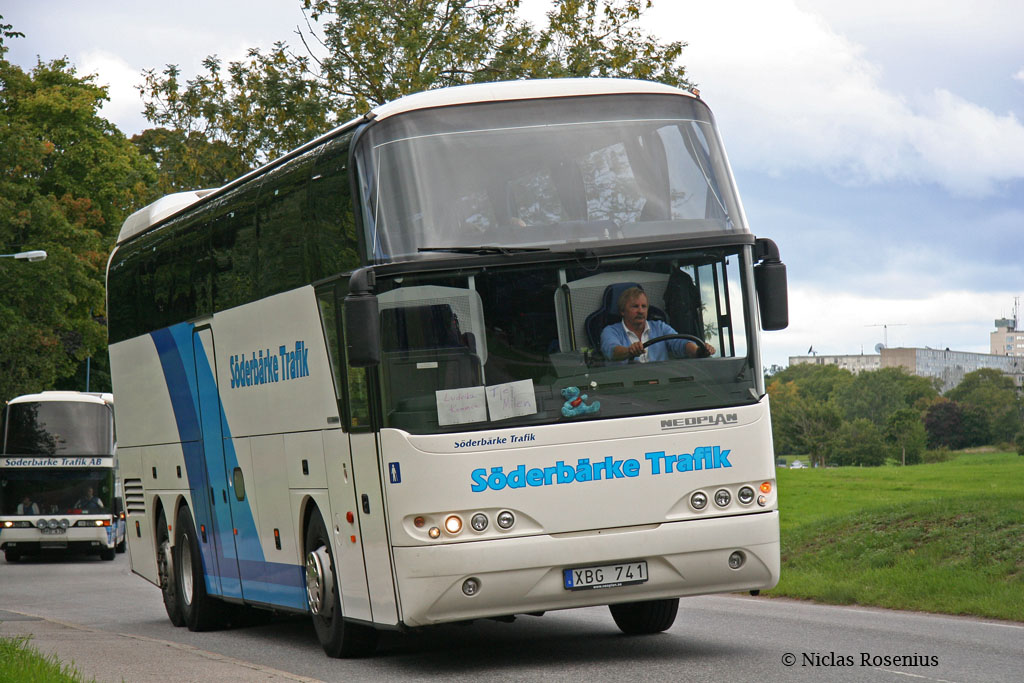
484,250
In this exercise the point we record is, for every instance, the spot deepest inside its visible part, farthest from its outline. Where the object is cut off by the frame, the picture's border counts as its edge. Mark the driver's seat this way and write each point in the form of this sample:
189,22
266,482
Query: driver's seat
608,313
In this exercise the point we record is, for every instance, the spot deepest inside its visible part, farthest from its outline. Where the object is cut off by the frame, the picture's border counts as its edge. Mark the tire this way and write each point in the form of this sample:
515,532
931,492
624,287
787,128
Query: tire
165,570
107,554
12,554
338,638
642,618
199,611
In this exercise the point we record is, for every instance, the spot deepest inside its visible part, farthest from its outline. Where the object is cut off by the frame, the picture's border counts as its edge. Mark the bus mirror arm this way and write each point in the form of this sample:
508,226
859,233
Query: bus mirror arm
362,320
770,282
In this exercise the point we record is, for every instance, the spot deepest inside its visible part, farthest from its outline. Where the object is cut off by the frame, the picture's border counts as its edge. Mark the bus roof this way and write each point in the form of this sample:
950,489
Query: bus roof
521,90
79,396
165,207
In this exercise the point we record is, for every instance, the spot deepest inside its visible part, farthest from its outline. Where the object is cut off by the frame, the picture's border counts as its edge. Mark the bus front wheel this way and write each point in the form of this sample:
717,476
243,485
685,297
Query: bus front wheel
165,571
12,554
641,618
199,611
338,638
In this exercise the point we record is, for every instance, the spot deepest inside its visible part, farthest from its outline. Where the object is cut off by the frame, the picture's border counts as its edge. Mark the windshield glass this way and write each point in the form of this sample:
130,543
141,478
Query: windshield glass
56,491
536,344
542,173
59,428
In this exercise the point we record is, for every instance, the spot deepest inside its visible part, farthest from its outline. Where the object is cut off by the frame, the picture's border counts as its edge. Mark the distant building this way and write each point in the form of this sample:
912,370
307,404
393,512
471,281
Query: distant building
1007,340
949,367
853,363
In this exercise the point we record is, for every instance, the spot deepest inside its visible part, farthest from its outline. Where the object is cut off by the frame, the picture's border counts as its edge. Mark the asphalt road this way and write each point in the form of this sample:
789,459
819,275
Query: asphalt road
112,626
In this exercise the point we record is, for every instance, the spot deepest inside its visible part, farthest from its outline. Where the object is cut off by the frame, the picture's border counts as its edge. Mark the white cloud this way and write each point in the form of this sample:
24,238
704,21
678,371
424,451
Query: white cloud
847,323
125,106
793,93
1019,76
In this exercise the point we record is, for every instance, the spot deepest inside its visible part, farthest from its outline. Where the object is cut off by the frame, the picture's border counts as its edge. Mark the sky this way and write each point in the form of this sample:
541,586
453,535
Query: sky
879,143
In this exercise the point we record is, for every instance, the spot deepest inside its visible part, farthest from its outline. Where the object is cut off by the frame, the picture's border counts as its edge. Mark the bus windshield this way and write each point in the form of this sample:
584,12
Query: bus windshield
56,491
543,172
59,428
529,344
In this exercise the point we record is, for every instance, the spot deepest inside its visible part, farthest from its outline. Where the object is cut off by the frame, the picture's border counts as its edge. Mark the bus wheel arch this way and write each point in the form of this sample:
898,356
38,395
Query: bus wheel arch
199,611
337,637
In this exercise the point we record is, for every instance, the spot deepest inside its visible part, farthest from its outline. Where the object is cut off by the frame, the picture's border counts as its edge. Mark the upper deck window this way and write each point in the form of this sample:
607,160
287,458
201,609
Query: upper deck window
543,173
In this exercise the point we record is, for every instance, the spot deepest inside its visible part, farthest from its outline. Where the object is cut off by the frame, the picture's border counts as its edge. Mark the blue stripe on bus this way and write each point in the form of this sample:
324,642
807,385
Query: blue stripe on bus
225,571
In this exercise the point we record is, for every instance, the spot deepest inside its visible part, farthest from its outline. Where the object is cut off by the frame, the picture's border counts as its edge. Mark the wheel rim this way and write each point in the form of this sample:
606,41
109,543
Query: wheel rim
319,582
186,569
165,567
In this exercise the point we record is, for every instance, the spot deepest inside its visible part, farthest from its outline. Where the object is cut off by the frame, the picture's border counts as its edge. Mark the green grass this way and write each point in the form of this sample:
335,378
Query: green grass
22,663
945,537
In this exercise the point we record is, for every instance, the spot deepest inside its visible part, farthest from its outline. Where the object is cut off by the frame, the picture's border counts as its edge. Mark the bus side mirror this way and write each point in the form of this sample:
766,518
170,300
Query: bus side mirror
362,321
770,282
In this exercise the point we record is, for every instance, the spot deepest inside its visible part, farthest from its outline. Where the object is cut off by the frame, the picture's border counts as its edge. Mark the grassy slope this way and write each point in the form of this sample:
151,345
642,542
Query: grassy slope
945,537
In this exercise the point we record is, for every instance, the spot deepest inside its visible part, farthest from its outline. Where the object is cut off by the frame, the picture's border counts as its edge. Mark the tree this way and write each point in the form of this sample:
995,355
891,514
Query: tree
877,394
859,443
943,423
905,431
379,50
815,381
68,178
994,399
802,425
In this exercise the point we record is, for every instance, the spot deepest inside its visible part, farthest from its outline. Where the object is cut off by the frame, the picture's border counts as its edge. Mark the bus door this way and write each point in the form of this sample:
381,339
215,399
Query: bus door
230,529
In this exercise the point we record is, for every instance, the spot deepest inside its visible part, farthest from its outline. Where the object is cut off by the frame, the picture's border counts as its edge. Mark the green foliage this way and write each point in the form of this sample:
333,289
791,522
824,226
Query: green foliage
802,425
1020,443
68,178
876,394
905,431
939,538
859,443
377,51
22,663
992,410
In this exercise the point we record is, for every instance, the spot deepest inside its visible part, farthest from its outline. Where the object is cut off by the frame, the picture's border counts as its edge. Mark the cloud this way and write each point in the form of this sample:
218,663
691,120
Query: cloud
793,94
846,323
1019,76
125,106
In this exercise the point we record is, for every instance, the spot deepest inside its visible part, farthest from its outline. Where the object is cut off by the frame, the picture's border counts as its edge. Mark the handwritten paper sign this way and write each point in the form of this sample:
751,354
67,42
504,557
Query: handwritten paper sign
511,399
459,406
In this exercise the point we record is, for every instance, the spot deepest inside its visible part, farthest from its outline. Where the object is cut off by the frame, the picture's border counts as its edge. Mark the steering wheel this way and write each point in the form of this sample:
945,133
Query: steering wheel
702,349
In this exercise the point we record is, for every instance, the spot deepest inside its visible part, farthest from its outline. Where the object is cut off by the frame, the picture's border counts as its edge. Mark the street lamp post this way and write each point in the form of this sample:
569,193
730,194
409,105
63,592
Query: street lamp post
31,256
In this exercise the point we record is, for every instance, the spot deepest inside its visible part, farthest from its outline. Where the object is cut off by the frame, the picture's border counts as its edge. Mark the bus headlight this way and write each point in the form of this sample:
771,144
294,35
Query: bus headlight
453,524
722,498
745,495
478,521
506,519
698,500
53,524
41,524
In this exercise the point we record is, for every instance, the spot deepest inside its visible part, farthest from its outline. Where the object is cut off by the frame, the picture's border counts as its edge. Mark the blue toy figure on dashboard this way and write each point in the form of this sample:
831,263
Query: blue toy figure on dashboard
576,403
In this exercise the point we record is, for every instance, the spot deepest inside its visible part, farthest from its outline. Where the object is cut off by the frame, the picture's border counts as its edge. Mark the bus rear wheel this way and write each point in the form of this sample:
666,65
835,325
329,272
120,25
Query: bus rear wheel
338,638
166,573
641,618
107,554
199,611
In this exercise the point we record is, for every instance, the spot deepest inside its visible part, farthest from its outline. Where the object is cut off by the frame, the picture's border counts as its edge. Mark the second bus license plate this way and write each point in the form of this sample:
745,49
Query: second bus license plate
605,576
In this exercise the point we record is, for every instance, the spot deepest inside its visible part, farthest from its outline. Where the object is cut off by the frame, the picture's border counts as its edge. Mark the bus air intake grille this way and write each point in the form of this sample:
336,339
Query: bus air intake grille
134,497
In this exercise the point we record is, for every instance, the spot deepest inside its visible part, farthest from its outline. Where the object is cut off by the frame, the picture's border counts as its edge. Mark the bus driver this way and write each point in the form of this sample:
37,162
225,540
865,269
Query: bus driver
624,342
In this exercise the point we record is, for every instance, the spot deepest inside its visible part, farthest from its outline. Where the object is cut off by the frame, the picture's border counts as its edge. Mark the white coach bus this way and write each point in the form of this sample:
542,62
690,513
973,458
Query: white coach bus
376,380
58,476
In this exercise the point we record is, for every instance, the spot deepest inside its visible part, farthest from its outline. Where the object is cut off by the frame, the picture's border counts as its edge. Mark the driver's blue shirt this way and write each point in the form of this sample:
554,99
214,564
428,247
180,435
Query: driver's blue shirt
618,335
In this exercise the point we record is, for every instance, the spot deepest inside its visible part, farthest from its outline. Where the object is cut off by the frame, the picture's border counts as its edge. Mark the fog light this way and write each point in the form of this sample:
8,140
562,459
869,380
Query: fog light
453,524
471,587
722,498
478,522
746,495
736,559
698,500
418,522
506,519
434,532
